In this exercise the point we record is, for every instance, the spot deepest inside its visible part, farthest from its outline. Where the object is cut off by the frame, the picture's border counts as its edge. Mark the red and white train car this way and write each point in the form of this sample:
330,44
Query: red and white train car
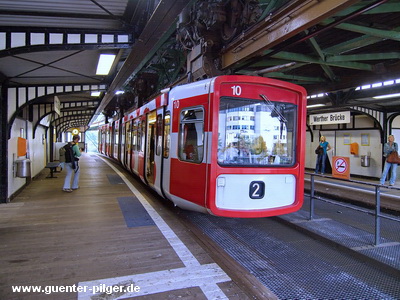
230,146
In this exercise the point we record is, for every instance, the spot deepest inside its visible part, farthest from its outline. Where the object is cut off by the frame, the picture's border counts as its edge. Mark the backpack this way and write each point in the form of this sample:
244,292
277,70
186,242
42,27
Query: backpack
67,154
319,150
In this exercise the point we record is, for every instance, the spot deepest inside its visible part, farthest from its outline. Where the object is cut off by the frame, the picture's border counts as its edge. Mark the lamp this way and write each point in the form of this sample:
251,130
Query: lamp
387,96
105,63
315,105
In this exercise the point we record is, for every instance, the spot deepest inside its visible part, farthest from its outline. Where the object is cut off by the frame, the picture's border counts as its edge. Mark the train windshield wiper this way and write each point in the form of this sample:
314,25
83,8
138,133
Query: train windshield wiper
274,109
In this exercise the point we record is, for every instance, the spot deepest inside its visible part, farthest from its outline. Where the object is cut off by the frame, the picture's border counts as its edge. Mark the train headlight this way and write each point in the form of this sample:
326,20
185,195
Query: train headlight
221,181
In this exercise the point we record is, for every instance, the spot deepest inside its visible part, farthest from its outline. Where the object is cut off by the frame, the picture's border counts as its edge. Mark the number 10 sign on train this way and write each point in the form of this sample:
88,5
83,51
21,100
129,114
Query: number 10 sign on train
230,146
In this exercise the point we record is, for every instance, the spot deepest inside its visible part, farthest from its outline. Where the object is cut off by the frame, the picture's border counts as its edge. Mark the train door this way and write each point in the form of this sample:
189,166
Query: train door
103,140
150,147
188,170
166,146
100,145
114,147
107,139
158,154
134,156
121,150
117,137
110,139
141,148
128,144
113,138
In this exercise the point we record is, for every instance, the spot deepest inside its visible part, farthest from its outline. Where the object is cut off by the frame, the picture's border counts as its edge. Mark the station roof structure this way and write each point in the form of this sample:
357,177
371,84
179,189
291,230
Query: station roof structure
344,51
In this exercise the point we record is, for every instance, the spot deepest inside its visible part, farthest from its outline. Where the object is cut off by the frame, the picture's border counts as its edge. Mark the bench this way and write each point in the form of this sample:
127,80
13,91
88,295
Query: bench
53,168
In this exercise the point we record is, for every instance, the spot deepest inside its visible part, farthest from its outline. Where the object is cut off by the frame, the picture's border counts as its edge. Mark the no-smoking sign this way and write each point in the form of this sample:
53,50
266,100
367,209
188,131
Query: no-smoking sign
341,167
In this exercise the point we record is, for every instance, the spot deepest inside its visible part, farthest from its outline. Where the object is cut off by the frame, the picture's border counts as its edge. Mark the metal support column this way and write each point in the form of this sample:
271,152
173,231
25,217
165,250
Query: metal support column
3,146
312,198
377,215
50,141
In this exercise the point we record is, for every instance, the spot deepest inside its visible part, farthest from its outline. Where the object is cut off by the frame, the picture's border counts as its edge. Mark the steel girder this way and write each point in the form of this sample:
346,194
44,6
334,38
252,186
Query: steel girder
293,19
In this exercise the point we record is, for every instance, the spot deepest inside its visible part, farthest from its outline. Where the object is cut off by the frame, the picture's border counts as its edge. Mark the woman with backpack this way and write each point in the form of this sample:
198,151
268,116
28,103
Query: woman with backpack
72,153
388,148
322,149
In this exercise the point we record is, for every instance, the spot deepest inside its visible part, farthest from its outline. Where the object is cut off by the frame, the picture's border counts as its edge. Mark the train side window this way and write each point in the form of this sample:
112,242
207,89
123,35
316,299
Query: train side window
116,141
128,137
123,132
107,140
158,134
191,135
143,130
167,136
134,136
139,137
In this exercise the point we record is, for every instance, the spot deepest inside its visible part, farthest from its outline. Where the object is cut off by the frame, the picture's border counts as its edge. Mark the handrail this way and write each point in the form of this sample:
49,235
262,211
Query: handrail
377,213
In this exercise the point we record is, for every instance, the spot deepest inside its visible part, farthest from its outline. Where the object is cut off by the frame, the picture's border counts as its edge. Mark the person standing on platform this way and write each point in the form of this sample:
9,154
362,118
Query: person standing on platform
72,166
321,158
388,148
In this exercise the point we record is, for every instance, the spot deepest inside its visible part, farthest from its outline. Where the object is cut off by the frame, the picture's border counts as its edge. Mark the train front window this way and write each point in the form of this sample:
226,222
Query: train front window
256,132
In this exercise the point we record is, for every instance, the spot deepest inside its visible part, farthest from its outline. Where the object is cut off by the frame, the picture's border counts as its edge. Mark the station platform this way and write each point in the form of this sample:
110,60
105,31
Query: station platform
356,190
353,232
330,257
113,239
107,240
354,228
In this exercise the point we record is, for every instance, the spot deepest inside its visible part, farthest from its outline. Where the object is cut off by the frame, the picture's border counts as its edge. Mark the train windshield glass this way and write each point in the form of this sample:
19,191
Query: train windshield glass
256,132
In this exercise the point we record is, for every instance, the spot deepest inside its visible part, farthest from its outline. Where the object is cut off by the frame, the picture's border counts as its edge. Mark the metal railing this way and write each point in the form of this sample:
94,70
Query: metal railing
377,211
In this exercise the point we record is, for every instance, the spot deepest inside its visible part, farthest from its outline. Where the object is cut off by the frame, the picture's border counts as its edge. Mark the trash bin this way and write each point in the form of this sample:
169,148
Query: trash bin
23,167
365,160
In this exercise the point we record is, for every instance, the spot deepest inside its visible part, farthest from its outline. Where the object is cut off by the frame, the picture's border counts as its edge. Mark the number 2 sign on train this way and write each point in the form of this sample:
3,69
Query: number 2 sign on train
230,146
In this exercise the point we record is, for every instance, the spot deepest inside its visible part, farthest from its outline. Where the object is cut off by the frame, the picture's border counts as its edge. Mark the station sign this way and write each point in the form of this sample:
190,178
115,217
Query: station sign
330,118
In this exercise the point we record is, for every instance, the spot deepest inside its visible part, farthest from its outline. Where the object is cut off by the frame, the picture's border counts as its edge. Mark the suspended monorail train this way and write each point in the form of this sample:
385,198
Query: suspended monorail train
230,146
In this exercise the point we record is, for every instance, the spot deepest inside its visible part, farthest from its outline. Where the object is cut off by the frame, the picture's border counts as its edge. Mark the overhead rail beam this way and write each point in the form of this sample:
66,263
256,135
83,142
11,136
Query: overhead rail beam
271,32
165,14
19,41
